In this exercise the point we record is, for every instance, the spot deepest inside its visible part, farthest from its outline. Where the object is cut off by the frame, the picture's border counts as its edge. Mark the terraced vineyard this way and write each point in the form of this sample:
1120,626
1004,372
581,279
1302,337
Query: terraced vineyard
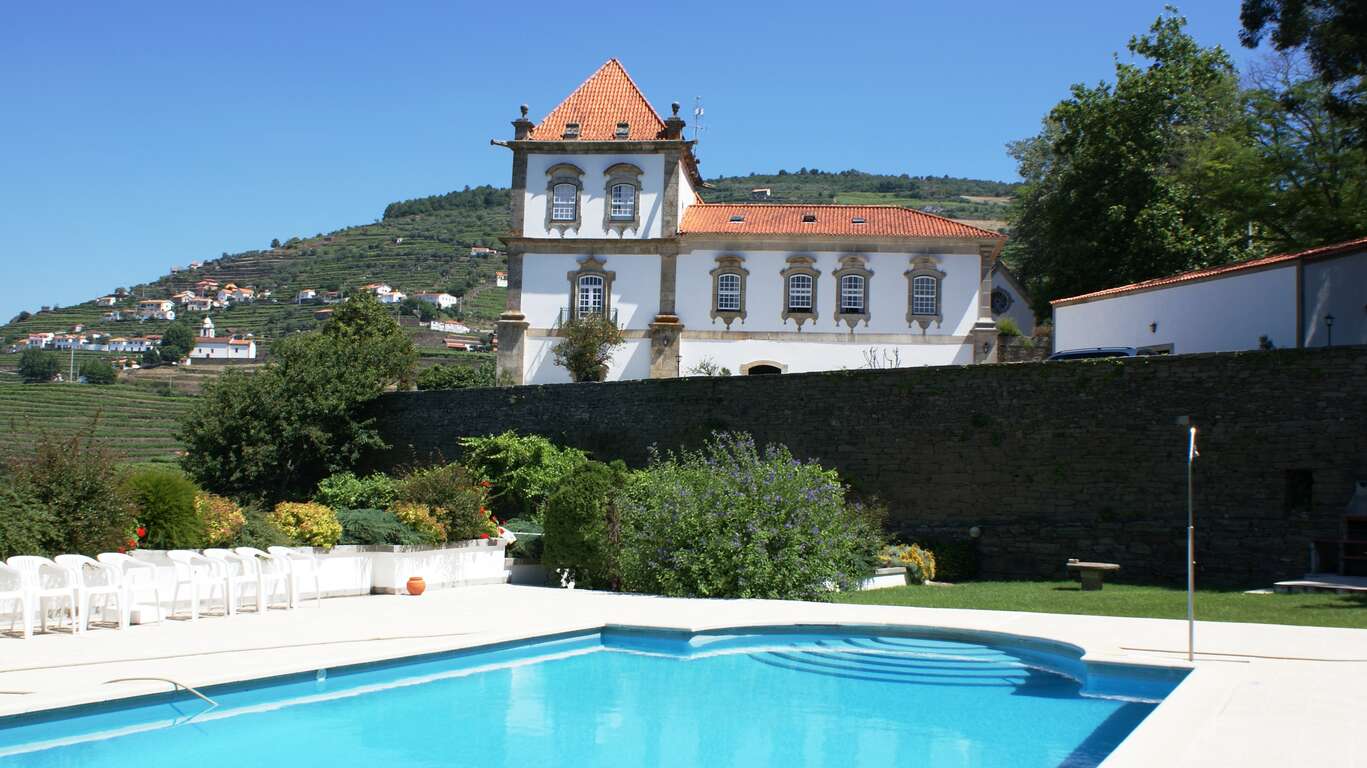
135,421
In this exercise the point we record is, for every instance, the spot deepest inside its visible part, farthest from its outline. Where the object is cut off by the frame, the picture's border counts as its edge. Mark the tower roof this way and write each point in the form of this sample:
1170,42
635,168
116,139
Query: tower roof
608,97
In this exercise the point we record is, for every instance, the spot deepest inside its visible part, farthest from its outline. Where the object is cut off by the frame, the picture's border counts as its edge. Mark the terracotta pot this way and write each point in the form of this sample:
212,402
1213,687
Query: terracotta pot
416,585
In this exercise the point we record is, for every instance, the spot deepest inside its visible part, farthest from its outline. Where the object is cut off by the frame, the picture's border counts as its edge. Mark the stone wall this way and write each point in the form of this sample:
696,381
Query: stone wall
1049,460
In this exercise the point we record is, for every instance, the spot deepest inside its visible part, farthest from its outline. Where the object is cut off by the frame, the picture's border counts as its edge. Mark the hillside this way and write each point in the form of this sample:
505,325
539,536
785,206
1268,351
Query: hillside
424,244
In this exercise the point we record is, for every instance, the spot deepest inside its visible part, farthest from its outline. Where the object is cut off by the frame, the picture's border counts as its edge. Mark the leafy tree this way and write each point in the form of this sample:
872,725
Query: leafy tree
36,366
275,433
151,358
176,342
75,480
275,242
586,347
582,525
97,371
1333,34
1105,200
21,317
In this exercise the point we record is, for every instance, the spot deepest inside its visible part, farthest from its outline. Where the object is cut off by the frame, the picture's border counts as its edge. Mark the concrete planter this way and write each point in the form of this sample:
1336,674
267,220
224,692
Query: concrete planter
895,576
457,564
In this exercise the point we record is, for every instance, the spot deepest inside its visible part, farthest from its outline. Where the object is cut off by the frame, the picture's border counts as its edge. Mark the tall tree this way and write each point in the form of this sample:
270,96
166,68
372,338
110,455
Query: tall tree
1333,34
1105,201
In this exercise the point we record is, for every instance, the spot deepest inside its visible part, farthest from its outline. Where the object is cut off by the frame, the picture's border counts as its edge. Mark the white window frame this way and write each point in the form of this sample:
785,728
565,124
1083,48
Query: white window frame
623,208
564,209
729,292
588,288
852,294
925,296
808,288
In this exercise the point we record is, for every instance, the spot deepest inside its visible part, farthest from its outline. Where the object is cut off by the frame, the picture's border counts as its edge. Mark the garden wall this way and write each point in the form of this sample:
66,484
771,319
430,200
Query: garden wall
1049,460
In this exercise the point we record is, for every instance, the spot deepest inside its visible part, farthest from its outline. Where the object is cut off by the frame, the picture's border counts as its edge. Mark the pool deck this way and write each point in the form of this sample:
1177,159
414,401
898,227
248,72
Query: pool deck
1259,695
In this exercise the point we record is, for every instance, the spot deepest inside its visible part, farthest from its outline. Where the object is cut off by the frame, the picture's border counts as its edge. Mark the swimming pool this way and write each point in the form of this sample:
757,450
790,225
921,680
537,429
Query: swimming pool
817,696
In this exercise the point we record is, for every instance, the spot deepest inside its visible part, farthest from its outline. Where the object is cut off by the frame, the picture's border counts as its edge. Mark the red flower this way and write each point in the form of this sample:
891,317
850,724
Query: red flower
123,549
141,531
485,483
484,535
132,542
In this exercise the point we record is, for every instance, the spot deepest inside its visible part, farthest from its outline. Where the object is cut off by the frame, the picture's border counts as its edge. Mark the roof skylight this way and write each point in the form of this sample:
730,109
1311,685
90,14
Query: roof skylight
808,218
737,218
571,130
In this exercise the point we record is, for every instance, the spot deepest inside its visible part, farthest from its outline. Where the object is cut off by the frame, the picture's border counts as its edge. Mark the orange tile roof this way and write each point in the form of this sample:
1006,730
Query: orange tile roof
607,98
1220,271
837,220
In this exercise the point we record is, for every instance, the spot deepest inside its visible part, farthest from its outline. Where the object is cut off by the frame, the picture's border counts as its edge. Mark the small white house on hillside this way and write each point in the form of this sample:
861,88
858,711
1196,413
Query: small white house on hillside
1312,298
441,300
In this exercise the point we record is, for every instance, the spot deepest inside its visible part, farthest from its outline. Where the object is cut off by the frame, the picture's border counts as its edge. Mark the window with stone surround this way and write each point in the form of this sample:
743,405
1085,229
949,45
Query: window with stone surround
590,289
622,198
728,289
564,188
852,291
590,296
924,281
799,290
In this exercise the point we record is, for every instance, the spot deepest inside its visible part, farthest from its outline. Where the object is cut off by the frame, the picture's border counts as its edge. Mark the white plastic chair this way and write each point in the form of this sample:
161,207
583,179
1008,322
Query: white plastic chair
45,580
137,576
195,571
12,591
95,579
300,562
272,575
238,572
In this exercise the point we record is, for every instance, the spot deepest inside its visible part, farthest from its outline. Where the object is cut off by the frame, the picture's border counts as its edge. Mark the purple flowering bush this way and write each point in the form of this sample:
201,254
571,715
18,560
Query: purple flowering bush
734,520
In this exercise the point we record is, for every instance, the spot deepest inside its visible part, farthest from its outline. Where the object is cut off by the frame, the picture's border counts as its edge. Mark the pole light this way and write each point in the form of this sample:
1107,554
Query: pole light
1328,330
1191,538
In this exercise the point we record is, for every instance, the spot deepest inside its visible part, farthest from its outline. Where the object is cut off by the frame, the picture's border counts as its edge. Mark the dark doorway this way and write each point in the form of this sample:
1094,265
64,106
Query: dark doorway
762,370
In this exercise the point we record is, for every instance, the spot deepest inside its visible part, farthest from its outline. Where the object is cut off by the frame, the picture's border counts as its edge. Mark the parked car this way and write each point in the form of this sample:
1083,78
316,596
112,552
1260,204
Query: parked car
1094,352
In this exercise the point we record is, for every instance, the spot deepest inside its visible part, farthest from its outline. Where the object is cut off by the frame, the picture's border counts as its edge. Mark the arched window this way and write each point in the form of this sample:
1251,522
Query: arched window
728,292
623,202
589,296
852,295
799,293
565,202
925,296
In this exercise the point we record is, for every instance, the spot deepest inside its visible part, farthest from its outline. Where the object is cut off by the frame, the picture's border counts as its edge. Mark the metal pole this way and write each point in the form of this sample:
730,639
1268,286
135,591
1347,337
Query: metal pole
1191,553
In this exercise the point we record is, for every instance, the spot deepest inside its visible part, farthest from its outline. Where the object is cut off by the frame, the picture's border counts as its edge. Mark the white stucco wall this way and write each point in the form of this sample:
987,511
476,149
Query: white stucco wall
635,287
804,356
1338,287
630,361
1019,311
887,292
686,192
592,199
1222,314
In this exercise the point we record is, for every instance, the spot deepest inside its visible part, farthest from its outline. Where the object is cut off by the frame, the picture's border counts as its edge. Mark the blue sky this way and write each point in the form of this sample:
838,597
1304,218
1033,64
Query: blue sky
134,136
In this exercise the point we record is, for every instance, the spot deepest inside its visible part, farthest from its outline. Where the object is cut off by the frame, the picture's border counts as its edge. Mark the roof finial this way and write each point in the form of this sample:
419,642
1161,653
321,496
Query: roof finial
523,109
675,106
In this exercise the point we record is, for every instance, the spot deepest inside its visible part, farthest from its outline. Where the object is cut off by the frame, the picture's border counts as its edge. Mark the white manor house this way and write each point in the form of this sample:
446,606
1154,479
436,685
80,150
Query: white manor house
606,219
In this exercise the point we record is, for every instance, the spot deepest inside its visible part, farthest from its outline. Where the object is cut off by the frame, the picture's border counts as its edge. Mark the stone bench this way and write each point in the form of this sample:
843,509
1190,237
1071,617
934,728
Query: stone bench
1093,574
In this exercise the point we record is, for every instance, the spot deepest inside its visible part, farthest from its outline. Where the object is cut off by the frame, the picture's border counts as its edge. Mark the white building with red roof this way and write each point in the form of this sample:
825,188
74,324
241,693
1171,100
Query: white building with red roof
1310,298
607,220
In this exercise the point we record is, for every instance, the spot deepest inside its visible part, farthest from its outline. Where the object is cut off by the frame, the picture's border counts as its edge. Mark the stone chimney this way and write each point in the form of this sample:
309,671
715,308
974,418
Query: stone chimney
674,125
522,127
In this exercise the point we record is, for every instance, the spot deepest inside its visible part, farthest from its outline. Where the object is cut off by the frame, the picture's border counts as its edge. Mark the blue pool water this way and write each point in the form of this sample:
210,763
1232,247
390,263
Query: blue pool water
625,698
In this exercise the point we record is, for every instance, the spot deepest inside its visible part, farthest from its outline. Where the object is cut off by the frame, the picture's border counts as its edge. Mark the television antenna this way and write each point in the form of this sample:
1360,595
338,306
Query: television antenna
698,126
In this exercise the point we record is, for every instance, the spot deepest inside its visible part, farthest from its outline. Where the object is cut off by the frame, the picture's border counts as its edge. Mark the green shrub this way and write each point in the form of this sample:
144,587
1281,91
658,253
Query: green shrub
376,526
308,523
97,371
581,523
455,376
523,470
27,527
527,546
221,518
260,531
75,479
1007,327
919,562
165,501
586,346
345,490
729,520
37,366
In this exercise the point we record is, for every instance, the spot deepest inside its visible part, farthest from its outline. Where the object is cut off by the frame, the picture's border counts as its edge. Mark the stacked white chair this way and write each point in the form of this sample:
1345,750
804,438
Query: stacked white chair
138,577
299,563
272,575
238,573
46,581
12,590
94,579
196,572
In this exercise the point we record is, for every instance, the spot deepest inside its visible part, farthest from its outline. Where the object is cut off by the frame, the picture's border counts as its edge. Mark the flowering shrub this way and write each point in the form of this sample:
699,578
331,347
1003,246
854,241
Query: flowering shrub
452,497
308,523
421,519
165,502
919,562
730,520
221,518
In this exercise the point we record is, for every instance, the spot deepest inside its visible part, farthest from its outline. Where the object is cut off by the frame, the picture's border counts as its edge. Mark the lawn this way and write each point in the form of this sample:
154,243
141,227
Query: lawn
1317,610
